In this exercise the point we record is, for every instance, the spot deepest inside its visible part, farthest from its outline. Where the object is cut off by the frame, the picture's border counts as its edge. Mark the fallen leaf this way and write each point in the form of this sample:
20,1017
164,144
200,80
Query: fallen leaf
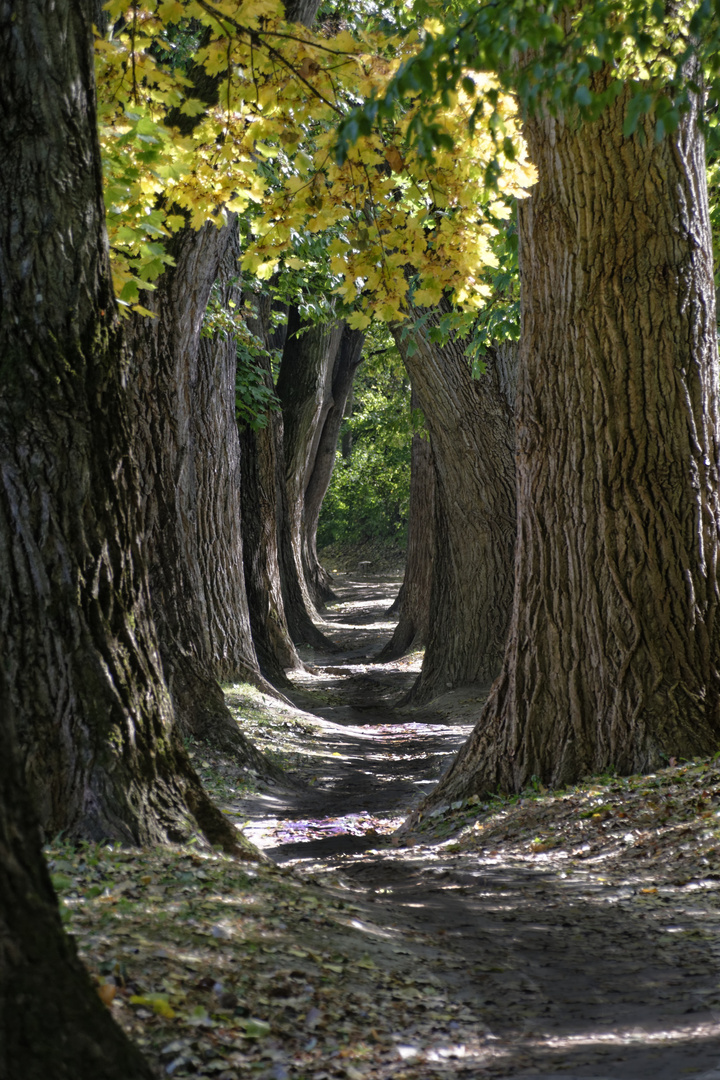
107,993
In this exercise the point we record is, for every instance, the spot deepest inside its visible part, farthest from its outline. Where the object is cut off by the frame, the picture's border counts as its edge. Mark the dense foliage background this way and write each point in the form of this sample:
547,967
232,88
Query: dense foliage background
369,493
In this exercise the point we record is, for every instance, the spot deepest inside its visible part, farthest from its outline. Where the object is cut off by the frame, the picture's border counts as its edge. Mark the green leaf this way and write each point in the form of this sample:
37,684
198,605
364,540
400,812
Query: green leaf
583,96
255,1029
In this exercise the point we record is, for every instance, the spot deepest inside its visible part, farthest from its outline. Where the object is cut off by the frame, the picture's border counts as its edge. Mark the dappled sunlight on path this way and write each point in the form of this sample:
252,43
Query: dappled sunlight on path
557,969
571,934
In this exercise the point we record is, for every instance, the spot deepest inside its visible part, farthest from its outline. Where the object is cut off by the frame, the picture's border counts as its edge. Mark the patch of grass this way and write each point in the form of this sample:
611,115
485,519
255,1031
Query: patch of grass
220,776
272,726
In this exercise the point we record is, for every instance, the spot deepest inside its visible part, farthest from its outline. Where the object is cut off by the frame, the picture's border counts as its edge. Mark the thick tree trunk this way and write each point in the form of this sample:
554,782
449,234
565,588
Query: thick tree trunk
214,506
347,361
413,601
471,435
52,1023
304,390
188,454
79,649
613,652
259,487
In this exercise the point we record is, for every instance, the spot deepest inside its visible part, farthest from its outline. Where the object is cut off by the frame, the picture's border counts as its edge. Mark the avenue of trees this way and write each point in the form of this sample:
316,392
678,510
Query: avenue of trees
199,221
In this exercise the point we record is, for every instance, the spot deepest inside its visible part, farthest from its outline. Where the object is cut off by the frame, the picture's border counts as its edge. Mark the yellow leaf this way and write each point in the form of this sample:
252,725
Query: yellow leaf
106,993
428,297
192,107
157,1002
358,320
394,159
171,11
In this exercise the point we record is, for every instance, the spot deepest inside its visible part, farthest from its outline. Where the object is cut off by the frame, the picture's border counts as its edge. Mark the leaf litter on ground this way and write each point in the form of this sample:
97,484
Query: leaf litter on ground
228,971
552,930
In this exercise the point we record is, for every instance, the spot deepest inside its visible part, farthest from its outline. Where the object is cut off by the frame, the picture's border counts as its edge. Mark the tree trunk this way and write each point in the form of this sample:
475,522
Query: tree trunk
189,463
413,601
52,1023
79,649
302,11
613,649
346,442
214,503
471,435
259,488
271,573
303,387
347,361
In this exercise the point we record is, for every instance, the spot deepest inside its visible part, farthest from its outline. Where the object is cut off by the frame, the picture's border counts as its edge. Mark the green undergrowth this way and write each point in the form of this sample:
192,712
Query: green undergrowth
221,777
671,817
279,730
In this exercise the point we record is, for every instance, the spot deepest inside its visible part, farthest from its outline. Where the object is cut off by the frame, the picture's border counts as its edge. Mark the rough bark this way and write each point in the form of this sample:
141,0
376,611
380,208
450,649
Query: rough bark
613,649
396,605
347,361
302,11
259,486
471,435
280,611
413,600
188,453
52,1023
211,478
304,390
79,649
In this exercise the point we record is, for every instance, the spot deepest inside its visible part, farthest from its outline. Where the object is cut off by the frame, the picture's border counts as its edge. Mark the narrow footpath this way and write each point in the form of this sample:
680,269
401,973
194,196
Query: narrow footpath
563,964
569,934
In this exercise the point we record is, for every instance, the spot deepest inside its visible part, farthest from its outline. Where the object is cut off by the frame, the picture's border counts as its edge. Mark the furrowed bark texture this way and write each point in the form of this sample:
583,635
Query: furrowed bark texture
302,11
188,452
413,601
303,387
259,486
347,361
217,518
613,650
52,1023
472,440
79,649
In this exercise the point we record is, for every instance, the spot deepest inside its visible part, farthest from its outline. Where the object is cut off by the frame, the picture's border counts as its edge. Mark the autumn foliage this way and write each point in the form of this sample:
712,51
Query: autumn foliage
263,143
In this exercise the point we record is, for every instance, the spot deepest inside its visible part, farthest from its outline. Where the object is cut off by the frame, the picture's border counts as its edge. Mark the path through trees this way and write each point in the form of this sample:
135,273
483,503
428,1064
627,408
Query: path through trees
569,934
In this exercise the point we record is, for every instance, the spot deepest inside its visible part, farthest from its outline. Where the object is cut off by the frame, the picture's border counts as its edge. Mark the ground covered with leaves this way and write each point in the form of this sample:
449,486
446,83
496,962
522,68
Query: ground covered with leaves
565,933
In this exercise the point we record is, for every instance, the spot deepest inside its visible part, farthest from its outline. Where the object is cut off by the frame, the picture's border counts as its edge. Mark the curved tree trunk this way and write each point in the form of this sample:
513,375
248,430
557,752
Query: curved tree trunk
189,464
413,600
78,644
347,361
303,387
471,434
613,651
260,475
396,606
52,1023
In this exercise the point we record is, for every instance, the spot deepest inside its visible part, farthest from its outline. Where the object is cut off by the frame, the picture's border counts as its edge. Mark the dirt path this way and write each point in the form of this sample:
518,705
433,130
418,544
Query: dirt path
571,934
563,959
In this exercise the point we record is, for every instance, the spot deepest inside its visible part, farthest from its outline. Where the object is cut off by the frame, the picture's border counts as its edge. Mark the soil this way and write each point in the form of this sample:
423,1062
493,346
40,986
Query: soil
564,960
556,934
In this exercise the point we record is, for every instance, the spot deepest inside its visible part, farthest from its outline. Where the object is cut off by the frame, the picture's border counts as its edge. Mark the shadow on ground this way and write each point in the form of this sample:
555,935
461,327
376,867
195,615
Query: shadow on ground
559,970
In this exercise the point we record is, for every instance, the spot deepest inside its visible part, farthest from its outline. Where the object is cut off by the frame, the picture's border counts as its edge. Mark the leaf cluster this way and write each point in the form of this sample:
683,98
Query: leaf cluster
255,397
267,139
